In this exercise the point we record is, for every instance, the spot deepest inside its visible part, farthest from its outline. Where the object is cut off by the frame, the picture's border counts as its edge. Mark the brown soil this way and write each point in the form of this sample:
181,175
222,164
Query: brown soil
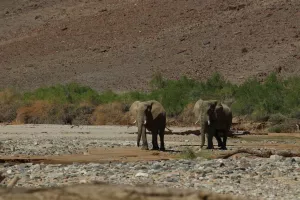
112,44
99,155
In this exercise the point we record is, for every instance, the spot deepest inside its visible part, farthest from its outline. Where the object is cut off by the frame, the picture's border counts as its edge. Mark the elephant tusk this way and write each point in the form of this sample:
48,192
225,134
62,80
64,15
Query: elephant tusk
208,122
196,121
134,122
145,121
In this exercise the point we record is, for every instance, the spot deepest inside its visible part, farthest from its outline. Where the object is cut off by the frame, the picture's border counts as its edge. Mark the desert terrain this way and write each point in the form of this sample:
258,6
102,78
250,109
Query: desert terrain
62,155
118,45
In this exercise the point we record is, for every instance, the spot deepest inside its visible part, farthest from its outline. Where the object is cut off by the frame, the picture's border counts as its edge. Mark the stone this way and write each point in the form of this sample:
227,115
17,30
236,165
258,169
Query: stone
55,175
156,166
276,173
276,157
83,181
141,174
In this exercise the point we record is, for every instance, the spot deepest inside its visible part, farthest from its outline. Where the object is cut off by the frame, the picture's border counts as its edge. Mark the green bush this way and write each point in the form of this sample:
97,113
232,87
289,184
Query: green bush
188,153
260,116
277,118
276,129
69,93
253,98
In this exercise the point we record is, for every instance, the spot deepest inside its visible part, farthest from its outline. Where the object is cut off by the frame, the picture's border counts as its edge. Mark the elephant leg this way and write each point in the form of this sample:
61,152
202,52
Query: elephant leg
202,137
154,140
161,137
210,144
217,136
210,135
144,139
224,141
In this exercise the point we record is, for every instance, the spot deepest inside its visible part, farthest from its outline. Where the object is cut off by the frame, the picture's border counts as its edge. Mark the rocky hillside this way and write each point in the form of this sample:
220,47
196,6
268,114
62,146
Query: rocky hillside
114,44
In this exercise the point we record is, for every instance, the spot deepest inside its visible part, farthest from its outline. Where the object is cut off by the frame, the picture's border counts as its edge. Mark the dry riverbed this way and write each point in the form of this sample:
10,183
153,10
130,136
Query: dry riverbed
55,155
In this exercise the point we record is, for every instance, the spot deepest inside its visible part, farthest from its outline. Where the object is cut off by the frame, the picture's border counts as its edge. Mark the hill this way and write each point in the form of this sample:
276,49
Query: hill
113,44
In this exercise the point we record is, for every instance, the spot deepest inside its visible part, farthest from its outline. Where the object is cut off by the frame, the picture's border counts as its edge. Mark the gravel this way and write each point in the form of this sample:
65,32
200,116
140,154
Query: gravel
254,178
261,178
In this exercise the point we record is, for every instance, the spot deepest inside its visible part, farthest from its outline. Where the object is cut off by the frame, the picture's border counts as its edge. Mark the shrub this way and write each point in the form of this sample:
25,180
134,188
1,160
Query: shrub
277,118
110,114
36,113
259,100
187,116
188,153
72,93
285,127
260,116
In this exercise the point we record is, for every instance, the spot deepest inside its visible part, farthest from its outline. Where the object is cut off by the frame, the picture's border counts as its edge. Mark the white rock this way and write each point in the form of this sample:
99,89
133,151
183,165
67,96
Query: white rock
276,157
83,181
141,174
9,171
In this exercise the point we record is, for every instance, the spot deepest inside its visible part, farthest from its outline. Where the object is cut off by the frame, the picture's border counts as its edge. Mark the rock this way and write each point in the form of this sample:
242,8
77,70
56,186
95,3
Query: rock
276,157
36,167
141,174
156,166
34,176
83,181
9,171
172,179
290,161
297,159
276,173
55,175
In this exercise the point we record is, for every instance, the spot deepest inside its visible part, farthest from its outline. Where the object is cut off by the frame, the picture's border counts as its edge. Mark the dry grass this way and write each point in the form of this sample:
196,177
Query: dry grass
110,114
9,103
38,112
185,118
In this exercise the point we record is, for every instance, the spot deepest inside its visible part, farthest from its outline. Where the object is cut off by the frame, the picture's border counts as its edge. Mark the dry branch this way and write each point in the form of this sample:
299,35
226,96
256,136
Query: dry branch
261,153
1,177
109,192
13,182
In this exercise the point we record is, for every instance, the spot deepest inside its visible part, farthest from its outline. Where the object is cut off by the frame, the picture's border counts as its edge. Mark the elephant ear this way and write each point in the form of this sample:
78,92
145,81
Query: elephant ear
148,107
213,104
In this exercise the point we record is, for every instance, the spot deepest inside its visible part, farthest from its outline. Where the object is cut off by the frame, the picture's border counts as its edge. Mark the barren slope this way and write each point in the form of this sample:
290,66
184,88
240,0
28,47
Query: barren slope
118,44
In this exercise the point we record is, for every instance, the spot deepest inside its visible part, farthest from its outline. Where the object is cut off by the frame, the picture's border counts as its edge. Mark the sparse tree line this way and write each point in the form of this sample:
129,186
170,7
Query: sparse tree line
275,101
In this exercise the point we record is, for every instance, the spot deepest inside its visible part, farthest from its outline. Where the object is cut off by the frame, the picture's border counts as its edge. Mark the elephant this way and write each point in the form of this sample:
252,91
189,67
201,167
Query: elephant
149,115
214,117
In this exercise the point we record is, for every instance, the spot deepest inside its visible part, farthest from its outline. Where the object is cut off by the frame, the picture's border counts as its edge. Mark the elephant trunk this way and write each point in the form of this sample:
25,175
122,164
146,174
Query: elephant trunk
141,122
141,132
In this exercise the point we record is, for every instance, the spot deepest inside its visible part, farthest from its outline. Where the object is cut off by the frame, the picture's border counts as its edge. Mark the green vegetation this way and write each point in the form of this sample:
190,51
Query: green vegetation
275,100
188,153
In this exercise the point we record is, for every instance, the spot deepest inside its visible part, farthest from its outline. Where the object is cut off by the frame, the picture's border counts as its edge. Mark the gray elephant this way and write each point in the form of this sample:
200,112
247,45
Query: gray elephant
149,115
214,118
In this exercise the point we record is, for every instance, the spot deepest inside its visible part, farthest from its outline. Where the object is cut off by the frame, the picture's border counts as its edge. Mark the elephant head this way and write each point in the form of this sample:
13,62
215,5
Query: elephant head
205,111
133,111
